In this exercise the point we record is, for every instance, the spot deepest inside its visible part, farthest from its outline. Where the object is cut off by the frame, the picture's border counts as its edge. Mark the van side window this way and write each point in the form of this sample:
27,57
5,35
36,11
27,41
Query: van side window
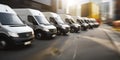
53,20
68,21
72,21
32,20
80,21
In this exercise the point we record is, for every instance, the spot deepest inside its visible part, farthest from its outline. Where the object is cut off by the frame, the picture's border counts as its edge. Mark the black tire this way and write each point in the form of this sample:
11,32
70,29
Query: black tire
64,33
58,32
85,29
76,31
3,43
82,28
38,35
72,30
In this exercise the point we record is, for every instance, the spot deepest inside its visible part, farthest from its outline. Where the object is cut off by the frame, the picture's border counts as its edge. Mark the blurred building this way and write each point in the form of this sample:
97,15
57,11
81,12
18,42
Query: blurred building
98,2
72,10
28,4
57,6
117,9
105,10
90,10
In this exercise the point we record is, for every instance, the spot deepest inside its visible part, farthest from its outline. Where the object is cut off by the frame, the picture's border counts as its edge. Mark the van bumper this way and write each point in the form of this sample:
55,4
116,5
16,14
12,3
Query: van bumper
64,31
21,41
48,34
76,29
84,27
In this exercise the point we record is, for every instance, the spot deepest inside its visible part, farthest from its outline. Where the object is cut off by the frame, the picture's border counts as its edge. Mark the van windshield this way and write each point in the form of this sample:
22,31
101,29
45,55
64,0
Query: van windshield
59,20
10,19
42,20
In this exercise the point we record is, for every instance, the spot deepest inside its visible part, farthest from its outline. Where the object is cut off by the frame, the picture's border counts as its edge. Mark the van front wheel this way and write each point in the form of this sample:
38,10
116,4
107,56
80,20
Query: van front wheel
3,44
72,30
38,35
58,32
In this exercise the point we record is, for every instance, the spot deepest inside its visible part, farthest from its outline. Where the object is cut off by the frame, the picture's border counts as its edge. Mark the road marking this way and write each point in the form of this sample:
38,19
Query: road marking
76,46
75,53
114,38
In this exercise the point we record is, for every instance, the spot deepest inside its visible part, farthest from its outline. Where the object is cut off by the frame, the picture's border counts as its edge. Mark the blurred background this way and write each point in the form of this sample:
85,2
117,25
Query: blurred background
105,11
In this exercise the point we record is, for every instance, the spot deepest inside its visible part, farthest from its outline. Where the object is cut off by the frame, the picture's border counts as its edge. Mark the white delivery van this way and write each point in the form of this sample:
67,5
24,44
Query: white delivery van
84,26
56,20
34,18
12,30
74,27
90,24
93,20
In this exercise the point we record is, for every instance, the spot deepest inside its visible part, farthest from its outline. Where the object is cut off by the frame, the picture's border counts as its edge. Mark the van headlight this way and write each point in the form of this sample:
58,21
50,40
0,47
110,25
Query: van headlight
32,32
75,26
63,27
13,34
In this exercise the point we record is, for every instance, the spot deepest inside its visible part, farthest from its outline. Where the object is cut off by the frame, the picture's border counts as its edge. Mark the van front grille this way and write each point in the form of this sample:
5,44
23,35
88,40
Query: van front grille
53,30
24,35
67,28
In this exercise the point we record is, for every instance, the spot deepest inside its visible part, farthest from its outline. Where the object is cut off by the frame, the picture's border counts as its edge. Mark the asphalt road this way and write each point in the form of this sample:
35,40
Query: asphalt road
86,45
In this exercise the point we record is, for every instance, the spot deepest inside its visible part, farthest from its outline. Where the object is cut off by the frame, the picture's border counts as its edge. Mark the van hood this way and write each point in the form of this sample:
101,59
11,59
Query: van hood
49,26
85,24
91,23
76,25
65,25
19,29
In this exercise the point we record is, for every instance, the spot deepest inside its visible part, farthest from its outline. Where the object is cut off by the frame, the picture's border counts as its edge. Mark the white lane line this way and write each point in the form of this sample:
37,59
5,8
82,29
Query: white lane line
75,53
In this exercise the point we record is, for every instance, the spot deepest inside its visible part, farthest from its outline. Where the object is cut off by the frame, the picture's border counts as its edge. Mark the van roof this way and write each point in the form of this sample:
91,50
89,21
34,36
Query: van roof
64,16
28,11
52,14
6,9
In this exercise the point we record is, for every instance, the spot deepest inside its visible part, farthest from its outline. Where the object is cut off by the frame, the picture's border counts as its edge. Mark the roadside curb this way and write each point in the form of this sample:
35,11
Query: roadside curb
115,39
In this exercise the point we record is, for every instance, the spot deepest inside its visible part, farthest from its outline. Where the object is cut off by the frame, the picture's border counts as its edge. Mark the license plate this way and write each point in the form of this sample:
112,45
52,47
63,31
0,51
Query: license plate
27,43
53,35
